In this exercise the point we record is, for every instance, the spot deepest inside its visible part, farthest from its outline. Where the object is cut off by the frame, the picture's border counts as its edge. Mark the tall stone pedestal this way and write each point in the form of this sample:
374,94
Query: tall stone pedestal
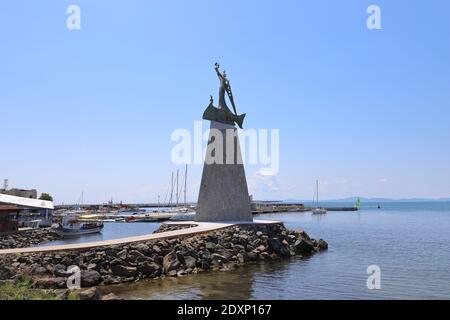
223,191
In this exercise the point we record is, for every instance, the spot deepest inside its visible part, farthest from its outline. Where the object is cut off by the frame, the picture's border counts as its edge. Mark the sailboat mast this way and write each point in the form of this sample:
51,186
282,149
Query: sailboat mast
317,190
178,195
185,183
171,190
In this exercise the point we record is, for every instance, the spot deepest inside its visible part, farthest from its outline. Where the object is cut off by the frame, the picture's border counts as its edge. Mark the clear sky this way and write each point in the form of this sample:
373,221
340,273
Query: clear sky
364,111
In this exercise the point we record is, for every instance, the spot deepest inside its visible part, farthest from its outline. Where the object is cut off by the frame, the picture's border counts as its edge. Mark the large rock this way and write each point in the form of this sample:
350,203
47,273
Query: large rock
303,246
143,248
109,297
136,253
218,259
90,278
149,268
123,254
59,270
322,244
171,262
190,262
275,245
39,270
7,272
210,245
124,271
50,283
88,294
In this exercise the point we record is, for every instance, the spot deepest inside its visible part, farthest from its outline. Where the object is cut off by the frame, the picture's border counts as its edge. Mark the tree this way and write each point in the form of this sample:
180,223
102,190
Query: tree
46,197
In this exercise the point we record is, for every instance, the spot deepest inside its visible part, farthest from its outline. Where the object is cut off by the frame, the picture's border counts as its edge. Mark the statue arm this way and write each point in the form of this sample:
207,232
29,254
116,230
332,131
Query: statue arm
219,74
217,66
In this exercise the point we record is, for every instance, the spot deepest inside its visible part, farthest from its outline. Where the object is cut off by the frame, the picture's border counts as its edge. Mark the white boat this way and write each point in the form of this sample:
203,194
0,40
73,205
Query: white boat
72,227
318,209
32,224
183,217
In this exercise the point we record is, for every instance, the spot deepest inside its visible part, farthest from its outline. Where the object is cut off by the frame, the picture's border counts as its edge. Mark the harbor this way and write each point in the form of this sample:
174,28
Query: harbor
224,150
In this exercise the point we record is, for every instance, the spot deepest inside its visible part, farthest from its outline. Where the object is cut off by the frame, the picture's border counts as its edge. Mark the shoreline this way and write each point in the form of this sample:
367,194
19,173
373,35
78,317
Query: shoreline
224,249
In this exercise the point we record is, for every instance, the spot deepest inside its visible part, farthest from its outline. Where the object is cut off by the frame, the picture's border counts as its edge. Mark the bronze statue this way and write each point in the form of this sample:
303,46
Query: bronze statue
222,113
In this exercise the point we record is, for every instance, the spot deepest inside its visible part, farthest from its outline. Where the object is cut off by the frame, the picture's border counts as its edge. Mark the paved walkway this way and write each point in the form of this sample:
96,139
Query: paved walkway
200,227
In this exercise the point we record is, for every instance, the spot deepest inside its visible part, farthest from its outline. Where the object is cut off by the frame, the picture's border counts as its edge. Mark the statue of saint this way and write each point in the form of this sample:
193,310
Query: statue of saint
222,113
224,85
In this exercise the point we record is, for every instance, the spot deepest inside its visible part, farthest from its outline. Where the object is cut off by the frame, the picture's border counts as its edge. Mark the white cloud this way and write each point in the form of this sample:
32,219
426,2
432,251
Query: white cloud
263,184
383,180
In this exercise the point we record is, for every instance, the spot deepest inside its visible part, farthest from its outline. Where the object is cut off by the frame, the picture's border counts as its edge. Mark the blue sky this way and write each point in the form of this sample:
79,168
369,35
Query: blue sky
364,111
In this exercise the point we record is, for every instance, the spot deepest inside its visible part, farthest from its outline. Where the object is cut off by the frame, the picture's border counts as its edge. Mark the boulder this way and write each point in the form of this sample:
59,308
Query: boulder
90,278
322,244
303,246
78,261
171,262
124,271
50,283
39,270
111,280
122,254
92,266
172,273
59,270
24,259
225,253
135,253
261,248
97,261
275,244
190,262
157,249
110,297
149,268
88,294
143,248
7,272
210,245
217,258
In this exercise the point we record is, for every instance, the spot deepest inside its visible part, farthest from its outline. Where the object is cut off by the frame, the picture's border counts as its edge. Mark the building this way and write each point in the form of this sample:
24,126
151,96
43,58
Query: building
31,194
9,219
30,209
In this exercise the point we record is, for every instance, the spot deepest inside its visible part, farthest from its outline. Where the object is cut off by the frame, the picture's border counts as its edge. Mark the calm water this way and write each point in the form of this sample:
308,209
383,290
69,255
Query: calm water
110,231
408,241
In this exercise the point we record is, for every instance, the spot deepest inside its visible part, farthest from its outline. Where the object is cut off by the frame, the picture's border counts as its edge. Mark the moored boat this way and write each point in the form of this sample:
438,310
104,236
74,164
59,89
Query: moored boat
72,227
318,209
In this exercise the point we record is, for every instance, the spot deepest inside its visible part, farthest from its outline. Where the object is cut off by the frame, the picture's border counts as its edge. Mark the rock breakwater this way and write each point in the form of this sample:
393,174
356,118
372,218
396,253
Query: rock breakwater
219,250
28,238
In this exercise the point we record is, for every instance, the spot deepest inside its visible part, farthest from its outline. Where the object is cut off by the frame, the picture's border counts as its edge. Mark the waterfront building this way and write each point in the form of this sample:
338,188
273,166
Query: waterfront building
8,219
30,209
23,193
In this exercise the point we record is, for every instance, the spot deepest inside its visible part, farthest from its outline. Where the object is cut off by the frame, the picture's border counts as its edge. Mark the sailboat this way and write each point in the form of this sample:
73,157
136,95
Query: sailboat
317,209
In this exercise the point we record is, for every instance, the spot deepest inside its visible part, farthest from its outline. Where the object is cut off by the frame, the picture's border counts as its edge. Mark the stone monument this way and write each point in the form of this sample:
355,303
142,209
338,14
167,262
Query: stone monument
223,191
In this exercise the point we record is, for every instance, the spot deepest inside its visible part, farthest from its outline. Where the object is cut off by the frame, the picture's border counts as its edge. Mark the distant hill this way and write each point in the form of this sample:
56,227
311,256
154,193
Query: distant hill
363,199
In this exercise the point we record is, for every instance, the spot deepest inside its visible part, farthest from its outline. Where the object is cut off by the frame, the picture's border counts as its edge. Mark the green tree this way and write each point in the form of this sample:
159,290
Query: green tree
46,196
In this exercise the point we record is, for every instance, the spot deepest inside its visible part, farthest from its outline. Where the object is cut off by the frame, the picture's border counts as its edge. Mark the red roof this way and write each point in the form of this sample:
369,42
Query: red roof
8,208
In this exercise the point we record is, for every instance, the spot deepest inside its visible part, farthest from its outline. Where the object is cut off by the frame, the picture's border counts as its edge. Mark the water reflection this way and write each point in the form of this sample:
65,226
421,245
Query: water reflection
237,284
